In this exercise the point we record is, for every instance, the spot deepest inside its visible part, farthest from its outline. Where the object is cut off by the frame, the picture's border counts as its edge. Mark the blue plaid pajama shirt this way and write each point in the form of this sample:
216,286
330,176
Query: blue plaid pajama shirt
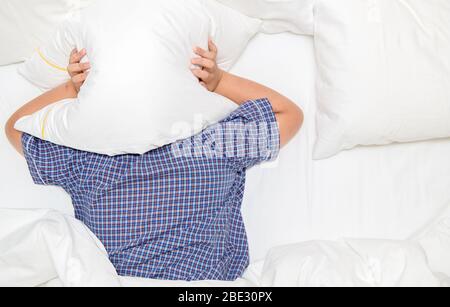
166,215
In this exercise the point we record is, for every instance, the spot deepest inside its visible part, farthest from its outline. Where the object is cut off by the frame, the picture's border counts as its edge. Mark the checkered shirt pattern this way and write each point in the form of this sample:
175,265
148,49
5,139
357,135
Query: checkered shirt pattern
169,214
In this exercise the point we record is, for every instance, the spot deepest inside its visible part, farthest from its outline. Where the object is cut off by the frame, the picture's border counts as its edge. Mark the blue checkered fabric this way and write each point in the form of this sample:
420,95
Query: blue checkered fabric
175,212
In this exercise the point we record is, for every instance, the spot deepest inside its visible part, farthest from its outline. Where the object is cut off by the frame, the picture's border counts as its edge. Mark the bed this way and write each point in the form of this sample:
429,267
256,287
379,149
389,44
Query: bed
384,193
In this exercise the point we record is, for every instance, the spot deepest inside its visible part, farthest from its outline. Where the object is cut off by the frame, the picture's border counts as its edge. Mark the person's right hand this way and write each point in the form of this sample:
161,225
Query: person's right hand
208,72
78,71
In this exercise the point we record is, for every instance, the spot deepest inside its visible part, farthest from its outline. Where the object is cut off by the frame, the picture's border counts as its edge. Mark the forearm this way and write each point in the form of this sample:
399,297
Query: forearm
289,116
62,92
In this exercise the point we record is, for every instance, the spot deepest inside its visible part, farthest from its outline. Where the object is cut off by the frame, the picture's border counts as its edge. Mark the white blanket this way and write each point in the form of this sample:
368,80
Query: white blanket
44,247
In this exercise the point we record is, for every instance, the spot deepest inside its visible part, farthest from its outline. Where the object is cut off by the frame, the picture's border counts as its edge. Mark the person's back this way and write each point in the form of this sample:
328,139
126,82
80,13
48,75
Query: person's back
174,213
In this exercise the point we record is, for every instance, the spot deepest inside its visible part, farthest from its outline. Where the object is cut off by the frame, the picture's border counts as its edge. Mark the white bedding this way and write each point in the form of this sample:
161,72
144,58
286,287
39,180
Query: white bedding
381,193
47,248
377,192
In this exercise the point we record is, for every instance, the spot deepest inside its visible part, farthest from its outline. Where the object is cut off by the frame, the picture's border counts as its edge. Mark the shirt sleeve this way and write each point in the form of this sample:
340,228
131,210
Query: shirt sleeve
251,134
48,163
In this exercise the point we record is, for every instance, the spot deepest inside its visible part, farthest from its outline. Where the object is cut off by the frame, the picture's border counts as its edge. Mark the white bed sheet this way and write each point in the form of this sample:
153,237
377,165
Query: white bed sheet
47,248
384,192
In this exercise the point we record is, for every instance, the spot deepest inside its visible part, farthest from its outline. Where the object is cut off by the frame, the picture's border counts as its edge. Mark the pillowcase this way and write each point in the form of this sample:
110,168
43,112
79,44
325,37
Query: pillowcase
140,93
47,66
25,24
383,72
295,16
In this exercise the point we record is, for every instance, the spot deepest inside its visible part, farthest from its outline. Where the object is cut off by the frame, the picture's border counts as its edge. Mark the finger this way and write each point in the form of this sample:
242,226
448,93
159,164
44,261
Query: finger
205,63
78,67
204,54
80,78
203,84
77,57
212,47
72,56
201,74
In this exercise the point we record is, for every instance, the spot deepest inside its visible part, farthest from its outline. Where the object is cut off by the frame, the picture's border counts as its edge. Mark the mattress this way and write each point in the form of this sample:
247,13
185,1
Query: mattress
385,192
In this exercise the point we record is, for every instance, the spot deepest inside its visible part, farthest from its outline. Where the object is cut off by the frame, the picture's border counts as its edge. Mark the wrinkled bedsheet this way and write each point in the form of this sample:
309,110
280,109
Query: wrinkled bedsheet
48,248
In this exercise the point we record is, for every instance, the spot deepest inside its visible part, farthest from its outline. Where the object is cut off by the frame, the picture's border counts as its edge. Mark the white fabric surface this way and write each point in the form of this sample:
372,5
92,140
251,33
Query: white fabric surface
26,24
361,263
376,193
140,93
383,72
38,246
46,248
296,16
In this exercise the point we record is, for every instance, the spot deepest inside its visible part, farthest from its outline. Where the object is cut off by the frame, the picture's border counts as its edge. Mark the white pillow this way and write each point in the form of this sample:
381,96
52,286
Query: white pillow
383,72
47,66
295,16
140,93
25,24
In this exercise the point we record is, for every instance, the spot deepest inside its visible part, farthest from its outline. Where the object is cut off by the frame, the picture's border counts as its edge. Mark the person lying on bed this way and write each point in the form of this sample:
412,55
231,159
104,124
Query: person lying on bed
166,215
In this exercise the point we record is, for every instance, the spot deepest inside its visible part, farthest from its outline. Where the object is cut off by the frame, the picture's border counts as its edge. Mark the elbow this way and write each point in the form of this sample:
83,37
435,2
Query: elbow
297,118
10,131
9,128
13,135
290,122
300,118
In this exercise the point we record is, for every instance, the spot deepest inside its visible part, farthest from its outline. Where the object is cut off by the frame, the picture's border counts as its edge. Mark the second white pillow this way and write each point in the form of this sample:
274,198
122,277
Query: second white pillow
383,72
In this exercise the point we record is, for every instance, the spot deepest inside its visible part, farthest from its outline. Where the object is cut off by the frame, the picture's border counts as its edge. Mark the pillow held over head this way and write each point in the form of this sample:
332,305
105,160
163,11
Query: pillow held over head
140,93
